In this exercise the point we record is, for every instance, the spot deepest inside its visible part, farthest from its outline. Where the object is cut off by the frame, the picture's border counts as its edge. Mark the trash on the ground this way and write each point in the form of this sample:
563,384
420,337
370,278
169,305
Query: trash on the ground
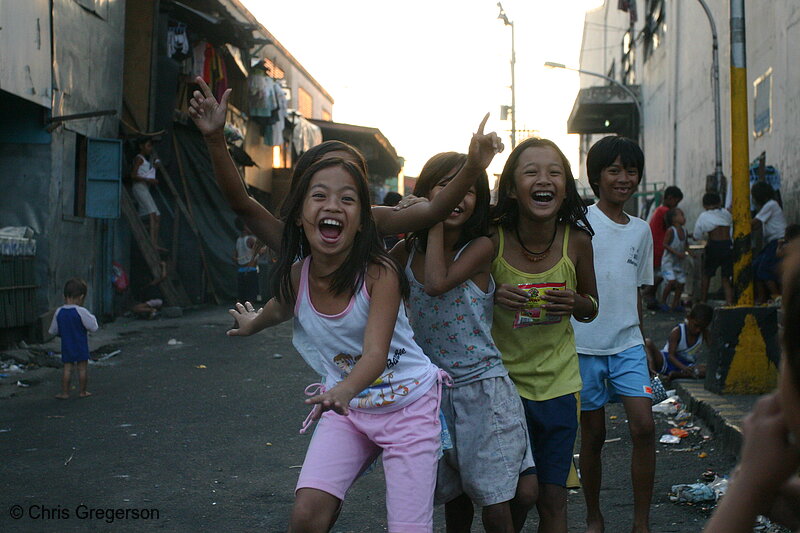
110,355
174,342
200,366
5,430
702,455
55,416
612,417
670,406
616,439
3,375
124,425
719,486
69,459
277,356
670,439
269,444
683,415
692,493
708,476
678,432
21,383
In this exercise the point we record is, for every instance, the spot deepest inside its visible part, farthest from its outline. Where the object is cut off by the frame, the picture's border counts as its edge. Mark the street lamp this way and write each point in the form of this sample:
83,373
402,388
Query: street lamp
715,83
551,64
502,16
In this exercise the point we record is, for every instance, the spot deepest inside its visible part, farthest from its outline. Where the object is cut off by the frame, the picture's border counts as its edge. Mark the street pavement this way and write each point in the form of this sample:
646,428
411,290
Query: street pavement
190,430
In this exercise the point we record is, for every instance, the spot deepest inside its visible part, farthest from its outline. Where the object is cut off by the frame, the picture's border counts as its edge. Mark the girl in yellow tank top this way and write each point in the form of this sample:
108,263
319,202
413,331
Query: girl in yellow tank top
544,273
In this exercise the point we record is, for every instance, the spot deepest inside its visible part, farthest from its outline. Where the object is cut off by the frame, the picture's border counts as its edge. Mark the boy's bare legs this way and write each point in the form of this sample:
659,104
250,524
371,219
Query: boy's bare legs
643,459
676,300
497,518
552,507
458,514
65,379
525,498
728,288
704,288
593,436
83,367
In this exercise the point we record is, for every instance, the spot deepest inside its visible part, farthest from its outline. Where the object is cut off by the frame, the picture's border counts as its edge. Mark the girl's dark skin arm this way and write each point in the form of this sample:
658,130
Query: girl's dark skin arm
442,275
209,117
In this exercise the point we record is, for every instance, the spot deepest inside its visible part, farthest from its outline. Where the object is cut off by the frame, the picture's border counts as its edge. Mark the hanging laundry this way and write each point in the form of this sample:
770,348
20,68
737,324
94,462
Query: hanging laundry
305,135
177,42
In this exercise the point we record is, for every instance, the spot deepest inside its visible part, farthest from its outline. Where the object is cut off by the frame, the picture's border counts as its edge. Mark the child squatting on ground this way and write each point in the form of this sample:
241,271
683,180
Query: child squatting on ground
678,358
71,321
613,362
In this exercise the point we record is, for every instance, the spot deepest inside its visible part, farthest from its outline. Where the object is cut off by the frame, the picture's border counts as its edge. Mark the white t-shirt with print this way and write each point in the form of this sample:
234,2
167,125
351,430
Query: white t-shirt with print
623,262
772,220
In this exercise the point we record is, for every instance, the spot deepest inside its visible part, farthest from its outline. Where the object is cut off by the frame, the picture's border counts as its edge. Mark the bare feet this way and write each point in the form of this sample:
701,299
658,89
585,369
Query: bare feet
596,525
62,396
85,394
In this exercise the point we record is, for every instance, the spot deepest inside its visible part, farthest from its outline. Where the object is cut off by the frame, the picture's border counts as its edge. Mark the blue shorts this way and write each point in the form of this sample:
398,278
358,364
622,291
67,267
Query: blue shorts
552,427
668,367
605,377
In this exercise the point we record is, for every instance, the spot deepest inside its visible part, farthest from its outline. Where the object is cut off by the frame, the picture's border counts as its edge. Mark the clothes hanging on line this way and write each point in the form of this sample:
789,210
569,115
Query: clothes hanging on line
177,42
267,106
305,135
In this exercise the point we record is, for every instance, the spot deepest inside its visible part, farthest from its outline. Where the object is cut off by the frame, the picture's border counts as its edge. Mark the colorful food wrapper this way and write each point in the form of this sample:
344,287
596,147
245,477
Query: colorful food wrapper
534,314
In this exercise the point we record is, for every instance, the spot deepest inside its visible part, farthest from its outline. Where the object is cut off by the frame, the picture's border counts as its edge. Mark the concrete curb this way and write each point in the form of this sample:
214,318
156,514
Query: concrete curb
722,414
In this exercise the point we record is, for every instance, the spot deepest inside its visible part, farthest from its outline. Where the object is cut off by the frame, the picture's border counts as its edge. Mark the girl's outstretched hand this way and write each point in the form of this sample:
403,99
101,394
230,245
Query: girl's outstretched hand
334,399
483,146
208,114
244,315
510,296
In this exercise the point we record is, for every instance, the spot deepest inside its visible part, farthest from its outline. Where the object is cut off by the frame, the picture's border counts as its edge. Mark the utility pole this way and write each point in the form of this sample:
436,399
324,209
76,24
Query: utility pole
502,16
740,167
715,88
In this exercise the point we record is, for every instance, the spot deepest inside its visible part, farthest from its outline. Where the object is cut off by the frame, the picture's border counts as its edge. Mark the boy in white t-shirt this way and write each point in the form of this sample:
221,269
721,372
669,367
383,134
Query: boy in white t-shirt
613,361
772,223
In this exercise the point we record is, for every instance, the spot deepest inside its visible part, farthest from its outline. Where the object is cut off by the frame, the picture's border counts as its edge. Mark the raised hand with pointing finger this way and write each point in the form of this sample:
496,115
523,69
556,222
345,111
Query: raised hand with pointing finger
483,146
208,114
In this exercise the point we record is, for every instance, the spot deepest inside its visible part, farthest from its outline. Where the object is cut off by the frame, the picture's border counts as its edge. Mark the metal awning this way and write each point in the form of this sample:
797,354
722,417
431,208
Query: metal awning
605,109
381,156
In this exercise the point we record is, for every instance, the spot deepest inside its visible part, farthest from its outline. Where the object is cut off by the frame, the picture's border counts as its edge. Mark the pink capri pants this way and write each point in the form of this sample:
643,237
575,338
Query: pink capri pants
344,446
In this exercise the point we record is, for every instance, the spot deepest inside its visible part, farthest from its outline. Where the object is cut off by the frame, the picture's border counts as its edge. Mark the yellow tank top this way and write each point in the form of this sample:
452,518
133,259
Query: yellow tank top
538,350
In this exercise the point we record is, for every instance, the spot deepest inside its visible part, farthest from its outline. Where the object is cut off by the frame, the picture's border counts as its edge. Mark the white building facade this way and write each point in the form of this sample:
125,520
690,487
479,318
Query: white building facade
664,52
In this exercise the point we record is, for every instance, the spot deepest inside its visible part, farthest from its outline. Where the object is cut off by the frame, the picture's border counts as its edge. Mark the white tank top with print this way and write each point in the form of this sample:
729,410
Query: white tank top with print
333,344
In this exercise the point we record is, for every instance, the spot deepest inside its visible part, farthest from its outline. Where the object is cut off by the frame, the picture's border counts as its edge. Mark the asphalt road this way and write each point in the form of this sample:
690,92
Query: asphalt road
203,436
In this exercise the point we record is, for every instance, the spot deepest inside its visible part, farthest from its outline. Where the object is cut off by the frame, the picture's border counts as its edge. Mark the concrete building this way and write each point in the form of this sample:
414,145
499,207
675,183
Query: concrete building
662,50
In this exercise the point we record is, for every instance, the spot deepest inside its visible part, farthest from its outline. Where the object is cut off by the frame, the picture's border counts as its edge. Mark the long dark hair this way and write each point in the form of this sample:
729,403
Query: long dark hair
367,247
434,171
506,212
313,154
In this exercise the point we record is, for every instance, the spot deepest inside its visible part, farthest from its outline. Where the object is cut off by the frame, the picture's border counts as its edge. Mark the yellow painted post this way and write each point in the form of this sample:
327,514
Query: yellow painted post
740,167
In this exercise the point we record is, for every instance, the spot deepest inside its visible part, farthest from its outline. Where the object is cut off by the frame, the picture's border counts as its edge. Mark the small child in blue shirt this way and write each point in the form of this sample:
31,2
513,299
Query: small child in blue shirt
71,321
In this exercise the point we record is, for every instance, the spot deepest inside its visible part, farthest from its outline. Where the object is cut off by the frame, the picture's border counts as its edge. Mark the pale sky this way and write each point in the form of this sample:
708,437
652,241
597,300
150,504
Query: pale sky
425,72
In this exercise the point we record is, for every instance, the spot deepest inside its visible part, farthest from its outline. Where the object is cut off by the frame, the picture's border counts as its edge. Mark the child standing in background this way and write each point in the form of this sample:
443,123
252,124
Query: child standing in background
658,227
544,271
771,221
673,261
71,321
143,176
613,361
245,255
718,253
